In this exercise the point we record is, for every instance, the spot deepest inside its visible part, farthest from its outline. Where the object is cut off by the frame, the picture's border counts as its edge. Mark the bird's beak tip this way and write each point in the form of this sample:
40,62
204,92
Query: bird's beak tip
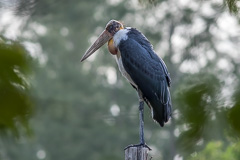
102,39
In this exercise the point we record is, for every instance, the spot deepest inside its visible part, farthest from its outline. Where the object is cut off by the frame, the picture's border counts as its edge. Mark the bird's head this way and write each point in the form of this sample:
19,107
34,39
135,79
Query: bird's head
111,28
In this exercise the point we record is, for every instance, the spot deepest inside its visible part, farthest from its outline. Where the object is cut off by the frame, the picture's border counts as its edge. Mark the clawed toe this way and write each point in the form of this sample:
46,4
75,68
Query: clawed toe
138,145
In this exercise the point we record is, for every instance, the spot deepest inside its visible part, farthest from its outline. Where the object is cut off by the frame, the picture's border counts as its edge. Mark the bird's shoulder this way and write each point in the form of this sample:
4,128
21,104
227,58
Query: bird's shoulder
136,35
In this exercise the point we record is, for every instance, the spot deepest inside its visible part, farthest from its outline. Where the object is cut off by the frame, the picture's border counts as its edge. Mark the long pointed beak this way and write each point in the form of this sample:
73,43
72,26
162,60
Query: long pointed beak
102,39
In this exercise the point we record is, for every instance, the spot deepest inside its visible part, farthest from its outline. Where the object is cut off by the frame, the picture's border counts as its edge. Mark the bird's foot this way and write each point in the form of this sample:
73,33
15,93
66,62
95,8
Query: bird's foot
144,145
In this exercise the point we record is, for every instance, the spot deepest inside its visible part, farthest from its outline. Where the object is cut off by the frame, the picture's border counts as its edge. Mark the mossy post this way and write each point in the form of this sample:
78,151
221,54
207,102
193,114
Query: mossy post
137,153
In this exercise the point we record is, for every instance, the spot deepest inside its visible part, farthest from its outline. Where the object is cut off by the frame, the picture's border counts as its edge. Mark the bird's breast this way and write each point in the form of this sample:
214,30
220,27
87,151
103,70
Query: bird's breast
122,69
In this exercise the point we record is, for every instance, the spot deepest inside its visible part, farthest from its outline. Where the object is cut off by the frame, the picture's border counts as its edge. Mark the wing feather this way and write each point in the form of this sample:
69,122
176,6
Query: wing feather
148,72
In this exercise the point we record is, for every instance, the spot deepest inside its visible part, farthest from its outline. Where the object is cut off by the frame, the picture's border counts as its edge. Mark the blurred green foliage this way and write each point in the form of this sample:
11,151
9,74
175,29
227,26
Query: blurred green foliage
230,4
201,112
233,6
233,114
216,150
197,103
15,103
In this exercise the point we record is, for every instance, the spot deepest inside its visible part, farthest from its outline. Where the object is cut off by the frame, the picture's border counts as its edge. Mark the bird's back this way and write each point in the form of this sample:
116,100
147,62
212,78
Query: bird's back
148,72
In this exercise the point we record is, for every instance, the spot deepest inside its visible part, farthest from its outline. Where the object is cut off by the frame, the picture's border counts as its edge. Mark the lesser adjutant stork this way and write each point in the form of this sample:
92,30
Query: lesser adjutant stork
141,66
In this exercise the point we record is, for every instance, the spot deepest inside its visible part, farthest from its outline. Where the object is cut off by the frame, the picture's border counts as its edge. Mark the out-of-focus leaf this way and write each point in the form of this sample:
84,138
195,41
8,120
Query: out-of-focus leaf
233,114
20,7
231,4
216,150
15,104
196,99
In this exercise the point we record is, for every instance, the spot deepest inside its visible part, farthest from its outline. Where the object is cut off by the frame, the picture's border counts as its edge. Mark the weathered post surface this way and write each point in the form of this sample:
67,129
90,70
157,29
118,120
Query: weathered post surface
137,153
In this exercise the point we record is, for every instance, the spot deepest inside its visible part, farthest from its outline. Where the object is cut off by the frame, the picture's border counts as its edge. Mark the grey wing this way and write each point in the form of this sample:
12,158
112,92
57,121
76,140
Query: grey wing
149,75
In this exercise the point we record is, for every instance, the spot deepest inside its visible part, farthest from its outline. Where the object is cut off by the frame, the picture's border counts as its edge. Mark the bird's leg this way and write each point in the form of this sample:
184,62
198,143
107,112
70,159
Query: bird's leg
141,121
141,125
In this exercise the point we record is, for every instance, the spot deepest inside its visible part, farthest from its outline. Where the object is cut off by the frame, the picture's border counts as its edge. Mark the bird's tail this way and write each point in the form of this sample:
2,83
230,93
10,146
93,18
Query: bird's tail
162,113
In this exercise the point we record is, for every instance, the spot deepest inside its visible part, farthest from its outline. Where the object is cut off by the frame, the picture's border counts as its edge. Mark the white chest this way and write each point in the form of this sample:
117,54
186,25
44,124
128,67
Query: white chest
117,38
120,35
122,70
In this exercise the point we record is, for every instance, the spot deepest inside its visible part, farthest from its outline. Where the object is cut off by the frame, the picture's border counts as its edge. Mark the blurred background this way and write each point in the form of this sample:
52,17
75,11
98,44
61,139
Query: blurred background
54,107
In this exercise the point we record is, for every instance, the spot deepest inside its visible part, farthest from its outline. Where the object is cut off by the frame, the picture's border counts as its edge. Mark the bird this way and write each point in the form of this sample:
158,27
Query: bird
142,67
